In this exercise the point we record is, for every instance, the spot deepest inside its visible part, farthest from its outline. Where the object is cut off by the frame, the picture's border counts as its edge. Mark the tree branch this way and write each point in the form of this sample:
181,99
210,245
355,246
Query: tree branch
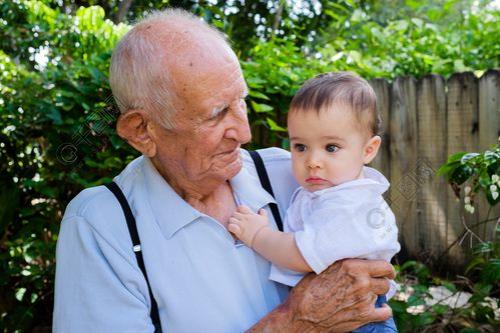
123,10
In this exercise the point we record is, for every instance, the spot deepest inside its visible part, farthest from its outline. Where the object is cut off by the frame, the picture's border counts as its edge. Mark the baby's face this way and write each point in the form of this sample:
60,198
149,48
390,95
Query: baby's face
327,147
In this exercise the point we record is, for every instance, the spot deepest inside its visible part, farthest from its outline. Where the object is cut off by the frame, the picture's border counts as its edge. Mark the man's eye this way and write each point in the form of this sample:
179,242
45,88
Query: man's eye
299,147
331,148
220,114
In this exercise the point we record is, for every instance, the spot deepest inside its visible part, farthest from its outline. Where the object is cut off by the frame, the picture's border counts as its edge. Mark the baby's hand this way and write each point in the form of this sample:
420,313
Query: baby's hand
245,224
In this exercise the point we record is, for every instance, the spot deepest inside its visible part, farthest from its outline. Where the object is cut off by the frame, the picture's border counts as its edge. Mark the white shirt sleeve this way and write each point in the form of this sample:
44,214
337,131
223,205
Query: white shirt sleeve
357,230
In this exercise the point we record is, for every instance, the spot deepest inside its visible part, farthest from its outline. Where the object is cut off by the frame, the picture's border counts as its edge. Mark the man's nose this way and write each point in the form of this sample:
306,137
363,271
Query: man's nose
238,127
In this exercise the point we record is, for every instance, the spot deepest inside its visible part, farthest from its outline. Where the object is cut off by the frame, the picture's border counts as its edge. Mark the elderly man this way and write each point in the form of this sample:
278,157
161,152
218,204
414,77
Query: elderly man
181,92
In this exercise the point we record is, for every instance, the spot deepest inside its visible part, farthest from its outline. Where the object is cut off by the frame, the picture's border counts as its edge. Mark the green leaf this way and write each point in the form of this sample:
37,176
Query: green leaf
477,261
482,290
491,271
456,157
440,309
257,94
261,107
450,286
408,264
20,294
273,126
425,319
55,116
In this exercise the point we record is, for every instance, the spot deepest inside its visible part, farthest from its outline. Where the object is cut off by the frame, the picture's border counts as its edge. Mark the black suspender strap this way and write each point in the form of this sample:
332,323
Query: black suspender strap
136,243
266,184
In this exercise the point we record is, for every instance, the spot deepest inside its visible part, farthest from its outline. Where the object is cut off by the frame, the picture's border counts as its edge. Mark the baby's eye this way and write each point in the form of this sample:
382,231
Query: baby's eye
331,148
299,147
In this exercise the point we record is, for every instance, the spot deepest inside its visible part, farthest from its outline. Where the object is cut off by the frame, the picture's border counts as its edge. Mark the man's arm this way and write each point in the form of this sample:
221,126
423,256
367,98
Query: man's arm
97,288
340,299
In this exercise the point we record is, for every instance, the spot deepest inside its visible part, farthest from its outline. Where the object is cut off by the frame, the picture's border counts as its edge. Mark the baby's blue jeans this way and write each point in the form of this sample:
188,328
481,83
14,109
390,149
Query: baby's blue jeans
388,326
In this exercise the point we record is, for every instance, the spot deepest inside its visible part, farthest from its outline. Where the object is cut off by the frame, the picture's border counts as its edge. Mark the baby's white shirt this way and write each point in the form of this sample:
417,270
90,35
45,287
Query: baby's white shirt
350,220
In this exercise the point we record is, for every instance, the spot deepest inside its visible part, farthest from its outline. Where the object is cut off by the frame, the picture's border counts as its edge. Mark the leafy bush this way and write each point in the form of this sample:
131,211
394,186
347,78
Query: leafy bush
476,173
56,138
432,304
57,115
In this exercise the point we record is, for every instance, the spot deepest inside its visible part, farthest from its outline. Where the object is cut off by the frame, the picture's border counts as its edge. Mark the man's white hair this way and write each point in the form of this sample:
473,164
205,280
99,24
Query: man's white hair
138,75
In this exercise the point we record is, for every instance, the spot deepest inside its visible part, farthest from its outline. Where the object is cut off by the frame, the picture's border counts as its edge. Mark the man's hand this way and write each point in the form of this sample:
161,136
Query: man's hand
246,225
340,299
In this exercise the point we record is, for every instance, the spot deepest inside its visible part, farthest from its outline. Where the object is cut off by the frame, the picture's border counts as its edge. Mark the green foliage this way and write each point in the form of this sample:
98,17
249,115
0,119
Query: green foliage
57,115
422,307
56,138
476,173
416,44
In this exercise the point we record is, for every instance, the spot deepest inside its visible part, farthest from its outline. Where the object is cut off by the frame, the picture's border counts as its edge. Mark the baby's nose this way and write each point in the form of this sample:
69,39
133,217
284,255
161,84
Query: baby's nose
313,163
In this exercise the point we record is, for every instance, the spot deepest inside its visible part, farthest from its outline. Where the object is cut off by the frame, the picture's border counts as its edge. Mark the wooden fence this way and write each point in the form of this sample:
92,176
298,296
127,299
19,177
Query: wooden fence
425,121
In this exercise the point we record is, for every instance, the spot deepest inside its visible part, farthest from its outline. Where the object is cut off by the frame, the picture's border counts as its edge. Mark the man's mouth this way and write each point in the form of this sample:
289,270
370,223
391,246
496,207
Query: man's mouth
230,151
230,154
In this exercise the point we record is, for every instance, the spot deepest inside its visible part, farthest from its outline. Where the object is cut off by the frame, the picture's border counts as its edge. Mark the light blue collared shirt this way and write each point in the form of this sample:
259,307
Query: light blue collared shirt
202,280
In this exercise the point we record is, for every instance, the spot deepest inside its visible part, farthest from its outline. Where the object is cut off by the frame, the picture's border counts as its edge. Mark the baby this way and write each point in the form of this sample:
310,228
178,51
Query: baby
338,211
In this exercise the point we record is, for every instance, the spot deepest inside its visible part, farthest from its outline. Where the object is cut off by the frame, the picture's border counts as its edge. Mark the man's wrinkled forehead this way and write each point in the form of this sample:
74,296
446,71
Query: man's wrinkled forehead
182,45
198,62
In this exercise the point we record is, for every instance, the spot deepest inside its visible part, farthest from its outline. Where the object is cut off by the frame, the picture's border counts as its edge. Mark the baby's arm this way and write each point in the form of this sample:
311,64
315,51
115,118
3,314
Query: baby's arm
277,247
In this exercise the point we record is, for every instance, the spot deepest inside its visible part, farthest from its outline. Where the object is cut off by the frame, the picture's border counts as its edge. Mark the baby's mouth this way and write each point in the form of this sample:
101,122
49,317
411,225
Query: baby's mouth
315,180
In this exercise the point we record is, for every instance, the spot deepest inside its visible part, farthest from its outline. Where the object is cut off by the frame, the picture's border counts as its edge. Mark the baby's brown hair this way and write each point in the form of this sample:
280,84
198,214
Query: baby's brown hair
325,90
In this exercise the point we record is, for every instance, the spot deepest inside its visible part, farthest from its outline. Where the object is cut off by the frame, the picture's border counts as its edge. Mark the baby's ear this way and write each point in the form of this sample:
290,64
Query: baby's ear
371,148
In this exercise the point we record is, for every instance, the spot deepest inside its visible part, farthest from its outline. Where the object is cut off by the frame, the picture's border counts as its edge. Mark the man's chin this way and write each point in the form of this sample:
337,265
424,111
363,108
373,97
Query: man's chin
233,168
228,165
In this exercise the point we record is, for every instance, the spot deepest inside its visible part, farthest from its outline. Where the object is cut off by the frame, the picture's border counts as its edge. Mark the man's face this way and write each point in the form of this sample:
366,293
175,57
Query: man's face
211,120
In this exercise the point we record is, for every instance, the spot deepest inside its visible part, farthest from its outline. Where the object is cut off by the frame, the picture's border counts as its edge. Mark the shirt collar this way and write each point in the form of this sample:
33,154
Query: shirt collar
171,211
248,189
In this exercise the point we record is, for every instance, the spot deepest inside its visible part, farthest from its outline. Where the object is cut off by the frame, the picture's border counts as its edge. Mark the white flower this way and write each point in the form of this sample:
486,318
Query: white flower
440,294
494,195
469,208
416,309
493,188
467,200
495,178
467,190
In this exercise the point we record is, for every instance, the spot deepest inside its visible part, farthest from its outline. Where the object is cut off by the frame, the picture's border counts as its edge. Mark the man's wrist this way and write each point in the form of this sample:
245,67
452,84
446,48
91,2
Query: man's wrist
281,319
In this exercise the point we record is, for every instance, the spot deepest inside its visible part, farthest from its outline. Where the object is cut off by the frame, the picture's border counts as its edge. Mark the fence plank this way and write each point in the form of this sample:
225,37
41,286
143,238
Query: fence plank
489,109
489,132
403,148
462,109
431,197
382,90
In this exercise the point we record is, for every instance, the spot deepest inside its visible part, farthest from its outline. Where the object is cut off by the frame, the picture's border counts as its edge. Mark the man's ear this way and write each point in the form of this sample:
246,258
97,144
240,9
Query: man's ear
371,148
134,126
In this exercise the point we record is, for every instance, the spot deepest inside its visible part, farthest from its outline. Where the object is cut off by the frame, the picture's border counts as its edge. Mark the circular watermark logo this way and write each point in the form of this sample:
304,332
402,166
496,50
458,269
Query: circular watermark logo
66,153
376,218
